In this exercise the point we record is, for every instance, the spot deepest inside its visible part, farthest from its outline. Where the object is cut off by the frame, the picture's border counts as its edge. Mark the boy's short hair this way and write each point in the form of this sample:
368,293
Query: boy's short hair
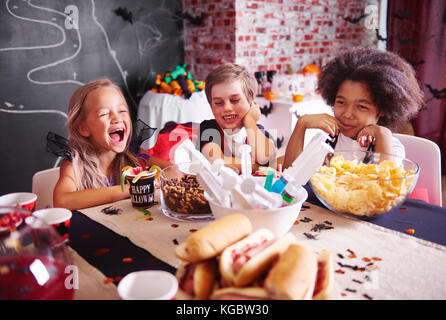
231,72
390,79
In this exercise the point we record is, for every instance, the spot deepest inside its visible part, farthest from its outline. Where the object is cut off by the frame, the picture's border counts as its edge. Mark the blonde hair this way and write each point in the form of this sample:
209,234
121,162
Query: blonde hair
232,72
84,155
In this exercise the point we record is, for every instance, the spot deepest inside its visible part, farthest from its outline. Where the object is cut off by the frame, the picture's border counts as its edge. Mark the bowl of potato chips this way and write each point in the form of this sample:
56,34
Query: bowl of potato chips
363,184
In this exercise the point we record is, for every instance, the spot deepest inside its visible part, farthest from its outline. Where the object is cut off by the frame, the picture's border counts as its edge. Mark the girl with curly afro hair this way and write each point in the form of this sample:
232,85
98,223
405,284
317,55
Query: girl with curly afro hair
372,92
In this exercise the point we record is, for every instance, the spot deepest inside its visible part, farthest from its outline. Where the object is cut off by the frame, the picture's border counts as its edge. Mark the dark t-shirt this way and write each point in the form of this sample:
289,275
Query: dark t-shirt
210,131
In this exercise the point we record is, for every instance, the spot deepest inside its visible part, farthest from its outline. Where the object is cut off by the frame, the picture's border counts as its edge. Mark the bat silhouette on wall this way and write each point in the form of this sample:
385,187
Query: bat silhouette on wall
437,94
416,63
379,37
279,142
404,41
402,15
266,110
197,21
125,14
355,20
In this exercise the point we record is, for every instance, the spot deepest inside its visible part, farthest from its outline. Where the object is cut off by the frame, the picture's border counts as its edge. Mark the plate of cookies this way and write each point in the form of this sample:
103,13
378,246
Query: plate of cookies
182,196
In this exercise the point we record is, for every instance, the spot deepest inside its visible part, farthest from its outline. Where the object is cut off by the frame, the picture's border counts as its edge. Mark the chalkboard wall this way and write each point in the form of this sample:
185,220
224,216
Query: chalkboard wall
50,48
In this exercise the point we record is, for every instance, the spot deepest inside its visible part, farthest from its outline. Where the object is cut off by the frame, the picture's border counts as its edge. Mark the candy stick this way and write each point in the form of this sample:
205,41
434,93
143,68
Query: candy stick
269,180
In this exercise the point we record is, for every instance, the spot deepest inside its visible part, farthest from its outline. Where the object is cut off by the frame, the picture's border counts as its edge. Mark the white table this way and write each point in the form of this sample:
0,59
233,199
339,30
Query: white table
390,264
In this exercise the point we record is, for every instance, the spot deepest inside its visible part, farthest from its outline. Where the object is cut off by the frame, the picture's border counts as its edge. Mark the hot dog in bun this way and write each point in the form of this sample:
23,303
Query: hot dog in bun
211,240
196,280
325,288
293,277
246,260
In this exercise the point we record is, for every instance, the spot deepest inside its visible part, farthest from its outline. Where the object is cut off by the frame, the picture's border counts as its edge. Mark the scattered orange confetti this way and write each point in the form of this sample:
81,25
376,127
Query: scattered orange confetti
376,259
101,251
366,259
109,280
410,231
352,256
85,236
128,259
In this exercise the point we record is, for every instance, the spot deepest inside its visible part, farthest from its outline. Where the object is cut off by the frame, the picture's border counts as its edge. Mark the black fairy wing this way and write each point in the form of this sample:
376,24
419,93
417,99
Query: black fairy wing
141,132
57,145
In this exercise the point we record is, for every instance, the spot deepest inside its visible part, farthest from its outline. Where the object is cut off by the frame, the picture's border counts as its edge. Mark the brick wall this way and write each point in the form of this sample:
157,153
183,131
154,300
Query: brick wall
272,34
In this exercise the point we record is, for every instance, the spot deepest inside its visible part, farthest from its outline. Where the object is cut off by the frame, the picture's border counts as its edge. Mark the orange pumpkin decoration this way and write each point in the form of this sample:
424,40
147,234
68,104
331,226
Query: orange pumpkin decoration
270,96
298,98
310,68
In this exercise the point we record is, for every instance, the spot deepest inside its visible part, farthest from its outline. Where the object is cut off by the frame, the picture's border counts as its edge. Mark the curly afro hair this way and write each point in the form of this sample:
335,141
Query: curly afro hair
391,81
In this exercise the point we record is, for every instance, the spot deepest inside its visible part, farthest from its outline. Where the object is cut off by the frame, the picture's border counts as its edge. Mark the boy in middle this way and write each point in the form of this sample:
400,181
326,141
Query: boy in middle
230,90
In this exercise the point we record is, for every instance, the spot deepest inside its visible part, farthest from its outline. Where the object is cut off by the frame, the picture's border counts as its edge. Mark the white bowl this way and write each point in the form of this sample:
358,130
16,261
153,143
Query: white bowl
279,220
148,285
24,199
53,215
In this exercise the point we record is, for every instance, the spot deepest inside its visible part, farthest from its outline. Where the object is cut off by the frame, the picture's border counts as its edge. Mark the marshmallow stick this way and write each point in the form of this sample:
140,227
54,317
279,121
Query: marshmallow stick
245,151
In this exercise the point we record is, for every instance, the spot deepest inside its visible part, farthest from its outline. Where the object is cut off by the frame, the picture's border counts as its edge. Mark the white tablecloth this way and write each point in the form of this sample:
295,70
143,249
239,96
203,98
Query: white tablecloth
403,266
156,109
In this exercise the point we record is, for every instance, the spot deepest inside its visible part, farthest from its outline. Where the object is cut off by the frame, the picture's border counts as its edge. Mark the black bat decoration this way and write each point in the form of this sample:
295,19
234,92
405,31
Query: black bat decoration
438,94
416,63
355,20
125,14
402,15
279,142
404,41
266,110
197,21
379,36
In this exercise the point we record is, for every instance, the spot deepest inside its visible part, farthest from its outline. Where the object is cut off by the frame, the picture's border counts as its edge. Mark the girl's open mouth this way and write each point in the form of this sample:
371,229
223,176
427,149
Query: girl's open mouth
117,135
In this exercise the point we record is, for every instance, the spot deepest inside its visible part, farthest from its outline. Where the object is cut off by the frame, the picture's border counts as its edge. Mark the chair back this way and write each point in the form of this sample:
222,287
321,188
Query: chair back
427,154
43,186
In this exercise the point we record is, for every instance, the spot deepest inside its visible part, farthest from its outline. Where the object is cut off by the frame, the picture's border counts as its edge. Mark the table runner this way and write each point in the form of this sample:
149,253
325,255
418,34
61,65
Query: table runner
92,283
113,254
371,262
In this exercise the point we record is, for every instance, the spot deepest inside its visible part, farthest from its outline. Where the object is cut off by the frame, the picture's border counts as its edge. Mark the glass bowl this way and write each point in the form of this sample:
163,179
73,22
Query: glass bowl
33,259
182,197
363,184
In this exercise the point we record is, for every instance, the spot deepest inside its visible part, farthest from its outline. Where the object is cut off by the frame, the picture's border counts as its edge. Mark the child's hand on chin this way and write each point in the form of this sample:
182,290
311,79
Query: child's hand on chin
253,113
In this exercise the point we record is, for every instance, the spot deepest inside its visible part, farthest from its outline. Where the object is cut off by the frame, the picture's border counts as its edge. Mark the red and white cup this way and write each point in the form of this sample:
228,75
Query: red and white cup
25,200
148,285
59,218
